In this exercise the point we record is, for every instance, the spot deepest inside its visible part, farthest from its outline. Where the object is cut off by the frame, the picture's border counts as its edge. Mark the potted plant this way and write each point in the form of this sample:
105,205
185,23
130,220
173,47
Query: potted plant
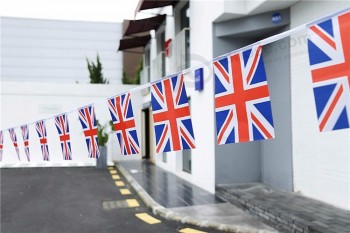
102,137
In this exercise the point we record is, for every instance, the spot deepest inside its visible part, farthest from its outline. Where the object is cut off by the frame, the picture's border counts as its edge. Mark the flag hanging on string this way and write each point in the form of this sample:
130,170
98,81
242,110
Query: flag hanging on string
329,57
171,115
122,115
62,126
14,141
41,130
88,122
1,145
242,101
25,135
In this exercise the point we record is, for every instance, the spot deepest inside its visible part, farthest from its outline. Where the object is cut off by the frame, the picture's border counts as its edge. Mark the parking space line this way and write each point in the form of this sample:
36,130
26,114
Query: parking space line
112,172
119,183
115,177
190,230
132,203
147,218
125,192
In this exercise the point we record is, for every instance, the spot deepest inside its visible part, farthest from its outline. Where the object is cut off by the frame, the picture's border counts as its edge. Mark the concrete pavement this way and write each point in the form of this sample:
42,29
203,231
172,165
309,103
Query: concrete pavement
75,200
184,202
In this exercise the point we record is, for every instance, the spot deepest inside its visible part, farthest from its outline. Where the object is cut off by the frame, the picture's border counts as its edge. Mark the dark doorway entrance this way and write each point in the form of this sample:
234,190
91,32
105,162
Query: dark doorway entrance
146,152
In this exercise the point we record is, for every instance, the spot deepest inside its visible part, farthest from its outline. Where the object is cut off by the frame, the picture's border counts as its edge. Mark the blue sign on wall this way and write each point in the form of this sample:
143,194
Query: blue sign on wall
276,18
198,79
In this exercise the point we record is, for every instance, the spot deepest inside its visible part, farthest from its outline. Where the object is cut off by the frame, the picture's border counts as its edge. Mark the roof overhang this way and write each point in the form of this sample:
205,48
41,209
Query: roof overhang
150,4
144,25
135,42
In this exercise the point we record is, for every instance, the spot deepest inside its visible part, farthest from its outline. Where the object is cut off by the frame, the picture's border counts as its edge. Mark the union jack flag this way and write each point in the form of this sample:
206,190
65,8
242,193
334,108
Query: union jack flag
62,126
329,56
242,100
88,122
1,145
41,130
25,135
14,141
171,115
124,123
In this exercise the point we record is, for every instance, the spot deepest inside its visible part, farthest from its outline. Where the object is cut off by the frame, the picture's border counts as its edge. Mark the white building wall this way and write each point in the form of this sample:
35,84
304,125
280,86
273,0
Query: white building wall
24,102
56,51
202,14
321,161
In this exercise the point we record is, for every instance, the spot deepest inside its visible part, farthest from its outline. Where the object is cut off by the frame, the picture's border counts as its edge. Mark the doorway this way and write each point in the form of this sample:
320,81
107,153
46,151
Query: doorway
147,135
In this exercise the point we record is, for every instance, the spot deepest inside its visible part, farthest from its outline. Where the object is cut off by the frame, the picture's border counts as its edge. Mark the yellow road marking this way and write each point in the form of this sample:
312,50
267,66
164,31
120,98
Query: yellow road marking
147,218
112,172
125,191
119,183
190,230
110,168
132,203
115,177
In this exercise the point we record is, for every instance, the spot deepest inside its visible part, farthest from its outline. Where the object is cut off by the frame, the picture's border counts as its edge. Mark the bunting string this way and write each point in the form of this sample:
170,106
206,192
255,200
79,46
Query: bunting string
262,42
235,74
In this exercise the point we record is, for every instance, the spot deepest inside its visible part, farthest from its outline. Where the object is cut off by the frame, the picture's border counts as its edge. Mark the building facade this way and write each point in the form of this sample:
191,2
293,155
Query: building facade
55,51
300,158
44,73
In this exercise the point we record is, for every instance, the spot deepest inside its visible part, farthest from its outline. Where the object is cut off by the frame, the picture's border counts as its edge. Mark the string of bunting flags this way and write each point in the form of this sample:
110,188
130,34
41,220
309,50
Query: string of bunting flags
241,97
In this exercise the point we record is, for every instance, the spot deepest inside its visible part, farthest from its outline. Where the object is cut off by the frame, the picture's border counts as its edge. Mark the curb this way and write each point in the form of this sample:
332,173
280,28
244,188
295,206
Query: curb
160,210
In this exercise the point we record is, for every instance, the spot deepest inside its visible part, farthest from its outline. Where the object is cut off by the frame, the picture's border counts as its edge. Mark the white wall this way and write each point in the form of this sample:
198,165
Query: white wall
202,14
23,103
56,51
321,161
202,107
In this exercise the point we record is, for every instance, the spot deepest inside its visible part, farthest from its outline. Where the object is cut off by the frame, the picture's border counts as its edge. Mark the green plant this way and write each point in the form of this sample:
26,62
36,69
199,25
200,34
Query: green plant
139,68
95,71
136,79
102,135
126,79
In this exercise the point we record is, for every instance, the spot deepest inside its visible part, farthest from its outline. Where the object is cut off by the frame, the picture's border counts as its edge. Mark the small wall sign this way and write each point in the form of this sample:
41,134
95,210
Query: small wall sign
198,79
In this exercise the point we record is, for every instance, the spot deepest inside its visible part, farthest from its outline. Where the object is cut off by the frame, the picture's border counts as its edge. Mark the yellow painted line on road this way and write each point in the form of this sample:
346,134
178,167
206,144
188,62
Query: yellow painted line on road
110,168
190,230
132,203
125,191
112,172
115,177
119,183
147,218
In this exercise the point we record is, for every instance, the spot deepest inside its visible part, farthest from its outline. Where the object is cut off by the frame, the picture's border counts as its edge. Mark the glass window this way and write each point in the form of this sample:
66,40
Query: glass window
164,157
187,156
185,24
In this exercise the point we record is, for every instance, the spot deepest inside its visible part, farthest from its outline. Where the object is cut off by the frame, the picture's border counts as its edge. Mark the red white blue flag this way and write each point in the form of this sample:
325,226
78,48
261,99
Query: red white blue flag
171,115
88,122
329,56
62,126
41,130
14,141
123,119
242,100
25,135
1,145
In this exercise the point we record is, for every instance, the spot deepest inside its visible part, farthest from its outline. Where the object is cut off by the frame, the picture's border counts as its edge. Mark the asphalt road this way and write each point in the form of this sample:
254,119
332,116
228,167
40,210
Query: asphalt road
69,200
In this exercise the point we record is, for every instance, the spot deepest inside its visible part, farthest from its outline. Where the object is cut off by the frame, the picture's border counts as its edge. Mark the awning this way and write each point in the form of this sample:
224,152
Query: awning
150,4
133,42
143,25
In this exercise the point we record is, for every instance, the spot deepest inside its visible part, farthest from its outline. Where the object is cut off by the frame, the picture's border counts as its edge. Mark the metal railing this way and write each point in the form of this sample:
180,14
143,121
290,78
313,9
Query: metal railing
145,78
181,54
158,65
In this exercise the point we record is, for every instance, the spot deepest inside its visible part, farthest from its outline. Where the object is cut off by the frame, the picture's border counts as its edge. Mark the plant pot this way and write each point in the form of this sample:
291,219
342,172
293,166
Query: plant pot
101,162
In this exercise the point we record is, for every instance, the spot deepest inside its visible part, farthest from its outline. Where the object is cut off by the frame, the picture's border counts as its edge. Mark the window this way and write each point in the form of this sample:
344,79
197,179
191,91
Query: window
185,25
164,157
187,156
